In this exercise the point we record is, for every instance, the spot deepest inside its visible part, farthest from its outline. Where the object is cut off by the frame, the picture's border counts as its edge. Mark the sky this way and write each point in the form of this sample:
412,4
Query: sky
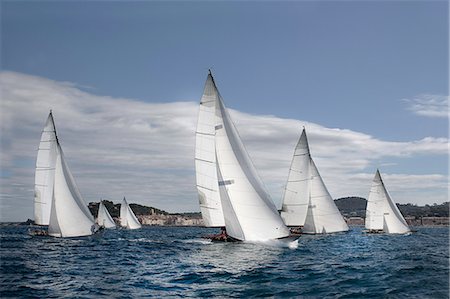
368,80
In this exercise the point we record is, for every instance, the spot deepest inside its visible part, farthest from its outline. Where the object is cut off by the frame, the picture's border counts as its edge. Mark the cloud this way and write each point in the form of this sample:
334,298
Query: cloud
119,147
430,105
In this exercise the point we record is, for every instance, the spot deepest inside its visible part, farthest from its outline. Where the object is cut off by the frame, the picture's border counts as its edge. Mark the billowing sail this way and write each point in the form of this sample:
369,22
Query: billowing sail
322,209
296,193
306,200
127,217
250,214
45,173
70,216
381,212
205,158
104,218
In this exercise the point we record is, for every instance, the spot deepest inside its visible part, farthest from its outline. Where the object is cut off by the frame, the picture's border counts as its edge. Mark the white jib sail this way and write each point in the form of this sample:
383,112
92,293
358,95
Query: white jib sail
45,173
381,212
104,218
323,213
296,193
205,158
70,216
250,214
127,217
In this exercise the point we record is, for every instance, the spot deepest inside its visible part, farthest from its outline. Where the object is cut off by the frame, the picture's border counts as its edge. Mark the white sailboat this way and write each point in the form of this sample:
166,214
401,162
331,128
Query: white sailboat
104,218
205,159
382,214
45,173
127,217
249,213
69,216
306,200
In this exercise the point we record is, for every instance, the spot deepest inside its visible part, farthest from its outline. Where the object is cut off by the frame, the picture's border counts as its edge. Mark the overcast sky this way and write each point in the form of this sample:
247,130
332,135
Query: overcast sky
369,80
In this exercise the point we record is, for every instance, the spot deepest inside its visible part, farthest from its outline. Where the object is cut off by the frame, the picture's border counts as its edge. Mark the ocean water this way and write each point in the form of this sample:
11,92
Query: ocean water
176,262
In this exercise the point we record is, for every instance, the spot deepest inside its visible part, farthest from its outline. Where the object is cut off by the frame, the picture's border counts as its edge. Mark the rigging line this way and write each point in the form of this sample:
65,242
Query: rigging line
200,186
211,162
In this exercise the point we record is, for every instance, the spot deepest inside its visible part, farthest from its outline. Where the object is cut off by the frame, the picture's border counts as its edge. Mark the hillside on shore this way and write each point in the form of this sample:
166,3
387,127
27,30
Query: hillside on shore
349,206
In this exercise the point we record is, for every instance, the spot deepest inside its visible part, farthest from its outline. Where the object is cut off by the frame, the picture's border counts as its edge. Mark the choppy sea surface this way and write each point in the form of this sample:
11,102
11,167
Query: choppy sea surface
176,262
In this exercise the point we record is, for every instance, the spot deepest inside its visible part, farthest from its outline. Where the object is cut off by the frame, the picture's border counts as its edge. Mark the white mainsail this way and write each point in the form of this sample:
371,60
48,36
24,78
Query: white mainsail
205,158
250,214
70,216
127,217
306,201
382,214
296,192
45,173
104,218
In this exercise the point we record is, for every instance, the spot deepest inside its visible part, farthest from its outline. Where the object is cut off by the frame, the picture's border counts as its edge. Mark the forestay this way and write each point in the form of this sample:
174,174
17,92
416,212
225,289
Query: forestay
381,212
104,218
127,217
70,216
205,158
45,173
249,213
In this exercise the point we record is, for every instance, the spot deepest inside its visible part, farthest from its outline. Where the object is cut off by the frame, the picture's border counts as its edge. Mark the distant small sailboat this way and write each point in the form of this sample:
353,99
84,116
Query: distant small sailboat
306,201
104,218
45,173
382,214
127,217
247,210
69,216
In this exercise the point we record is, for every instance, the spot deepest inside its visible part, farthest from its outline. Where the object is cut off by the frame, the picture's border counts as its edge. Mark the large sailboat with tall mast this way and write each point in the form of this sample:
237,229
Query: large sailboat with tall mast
382,214
236,194
306,201
58,202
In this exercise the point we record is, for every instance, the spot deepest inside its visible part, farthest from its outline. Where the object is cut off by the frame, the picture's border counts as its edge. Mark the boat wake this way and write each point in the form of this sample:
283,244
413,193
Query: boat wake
196,241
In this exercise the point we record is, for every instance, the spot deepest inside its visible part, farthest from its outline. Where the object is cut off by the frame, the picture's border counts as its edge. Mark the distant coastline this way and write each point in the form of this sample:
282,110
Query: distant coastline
352,208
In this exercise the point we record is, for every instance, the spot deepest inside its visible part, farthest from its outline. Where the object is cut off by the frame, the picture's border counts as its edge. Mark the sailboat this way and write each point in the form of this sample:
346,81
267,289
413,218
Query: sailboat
127,217
306,200
69,215
382,214
226,171
45,173
104,218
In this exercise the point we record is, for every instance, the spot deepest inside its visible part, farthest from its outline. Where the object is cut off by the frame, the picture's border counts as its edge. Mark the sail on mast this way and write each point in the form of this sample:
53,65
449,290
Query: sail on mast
69,216
381,212
296,193
45,173
249,213
205,158
127,217
306,200
104,218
